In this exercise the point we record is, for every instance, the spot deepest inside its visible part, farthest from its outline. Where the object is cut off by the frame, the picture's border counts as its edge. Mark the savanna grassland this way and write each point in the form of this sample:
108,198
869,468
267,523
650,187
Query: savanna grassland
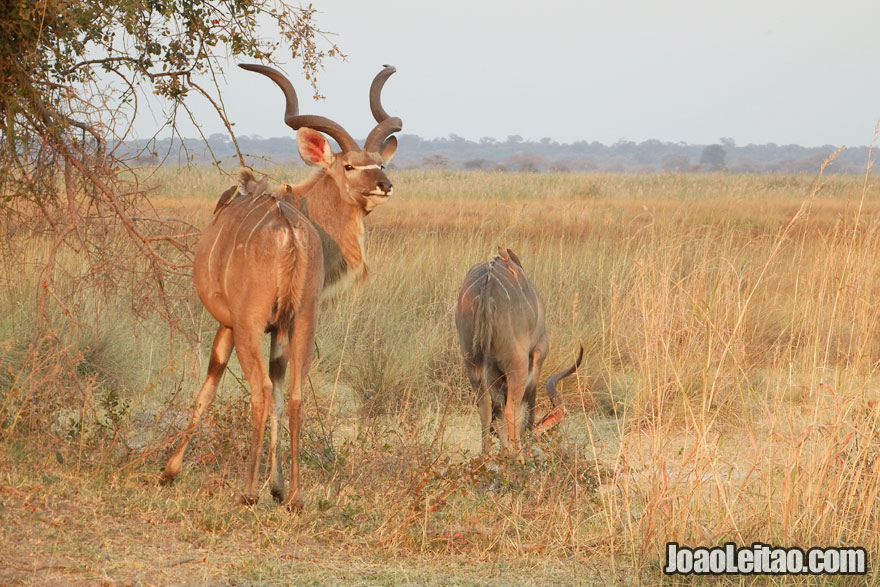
729,392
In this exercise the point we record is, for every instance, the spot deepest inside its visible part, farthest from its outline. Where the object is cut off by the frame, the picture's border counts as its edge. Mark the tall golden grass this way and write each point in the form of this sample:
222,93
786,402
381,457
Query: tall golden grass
728,392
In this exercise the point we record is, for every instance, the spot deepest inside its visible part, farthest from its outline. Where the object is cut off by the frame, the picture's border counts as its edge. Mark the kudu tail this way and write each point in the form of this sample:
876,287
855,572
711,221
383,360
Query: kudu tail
481,344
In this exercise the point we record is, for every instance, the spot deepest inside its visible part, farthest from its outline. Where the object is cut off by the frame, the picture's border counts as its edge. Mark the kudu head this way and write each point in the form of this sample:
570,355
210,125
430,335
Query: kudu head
358,173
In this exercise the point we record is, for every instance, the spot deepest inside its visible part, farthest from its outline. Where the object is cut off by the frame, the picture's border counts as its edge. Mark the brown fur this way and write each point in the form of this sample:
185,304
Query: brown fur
294,274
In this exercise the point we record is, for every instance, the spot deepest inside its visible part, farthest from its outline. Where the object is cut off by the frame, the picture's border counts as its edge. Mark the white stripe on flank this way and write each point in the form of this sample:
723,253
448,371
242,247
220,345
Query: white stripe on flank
465,292
256,226
211,254
232,253
525,296
251,211
502,286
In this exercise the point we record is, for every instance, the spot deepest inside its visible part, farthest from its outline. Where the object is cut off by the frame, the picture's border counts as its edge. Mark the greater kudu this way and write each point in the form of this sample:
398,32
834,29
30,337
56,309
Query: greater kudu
503,338
261,265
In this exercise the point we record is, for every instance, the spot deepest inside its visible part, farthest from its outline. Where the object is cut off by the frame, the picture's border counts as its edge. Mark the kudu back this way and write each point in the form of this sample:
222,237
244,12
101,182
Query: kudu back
503,337
266,258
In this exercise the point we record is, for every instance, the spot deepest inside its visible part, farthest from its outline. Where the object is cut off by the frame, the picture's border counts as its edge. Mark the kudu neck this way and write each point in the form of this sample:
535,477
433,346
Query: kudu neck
342,225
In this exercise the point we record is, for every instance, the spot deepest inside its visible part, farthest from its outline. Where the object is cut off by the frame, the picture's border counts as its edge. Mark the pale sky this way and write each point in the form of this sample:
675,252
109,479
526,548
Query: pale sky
759,71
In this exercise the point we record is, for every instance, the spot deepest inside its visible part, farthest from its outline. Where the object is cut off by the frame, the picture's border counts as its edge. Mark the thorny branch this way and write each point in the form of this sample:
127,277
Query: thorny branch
70,181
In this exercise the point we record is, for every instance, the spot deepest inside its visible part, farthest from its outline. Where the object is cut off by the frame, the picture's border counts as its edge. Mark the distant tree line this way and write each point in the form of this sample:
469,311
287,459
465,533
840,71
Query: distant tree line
516,154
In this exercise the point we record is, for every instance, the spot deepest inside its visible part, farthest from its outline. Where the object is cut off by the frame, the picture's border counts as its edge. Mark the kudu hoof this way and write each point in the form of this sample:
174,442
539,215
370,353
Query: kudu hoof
166,480
278,495
249,500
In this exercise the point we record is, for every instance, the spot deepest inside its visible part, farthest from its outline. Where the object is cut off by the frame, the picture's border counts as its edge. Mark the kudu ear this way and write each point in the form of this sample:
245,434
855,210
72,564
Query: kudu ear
314,148
388,149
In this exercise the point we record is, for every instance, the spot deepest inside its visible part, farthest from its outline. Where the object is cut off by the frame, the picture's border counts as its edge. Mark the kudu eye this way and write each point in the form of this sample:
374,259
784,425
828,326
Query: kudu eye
348,167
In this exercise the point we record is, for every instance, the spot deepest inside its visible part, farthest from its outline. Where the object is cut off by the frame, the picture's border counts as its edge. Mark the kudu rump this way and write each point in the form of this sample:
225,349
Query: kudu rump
261,265
503,338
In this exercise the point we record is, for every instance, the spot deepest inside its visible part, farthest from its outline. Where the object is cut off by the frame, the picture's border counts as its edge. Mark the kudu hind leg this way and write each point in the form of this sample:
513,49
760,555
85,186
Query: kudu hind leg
278,358
501,430
497,384
220,352
484,401
301,346
250,356
517,377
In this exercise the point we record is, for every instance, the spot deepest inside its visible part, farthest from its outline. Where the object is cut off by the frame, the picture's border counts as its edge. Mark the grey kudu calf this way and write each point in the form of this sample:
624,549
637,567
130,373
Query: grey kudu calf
262,264
503,338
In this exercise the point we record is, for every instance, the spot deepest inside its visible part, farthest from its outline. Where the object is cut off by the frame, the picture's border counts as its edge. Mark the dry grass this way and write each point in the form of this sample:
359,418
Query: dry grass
729,393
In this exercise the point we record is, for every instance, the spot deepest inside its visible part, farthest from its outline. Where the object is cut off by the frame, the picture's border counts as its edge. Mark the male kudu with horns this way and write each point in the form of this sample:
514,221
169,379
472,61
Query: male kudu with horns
262,264
503,338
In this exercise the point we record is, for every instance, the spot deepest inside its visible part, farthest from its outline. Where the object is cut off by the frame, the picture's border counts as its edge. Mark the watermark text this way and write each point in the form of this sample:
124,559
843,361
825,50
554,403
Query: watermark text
760,559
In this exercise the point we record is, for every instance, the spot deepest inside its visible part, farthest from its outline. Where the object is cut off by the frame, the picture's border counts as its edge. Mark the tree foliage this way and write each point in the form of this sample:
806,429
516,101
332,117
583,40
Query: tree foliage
71,76
713,156
54,53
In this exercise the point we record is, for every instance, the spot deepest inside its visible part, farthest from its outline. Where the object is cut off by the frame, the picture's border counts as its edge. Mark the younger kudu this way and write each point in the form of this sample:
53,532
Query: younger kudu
503,338
262,264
